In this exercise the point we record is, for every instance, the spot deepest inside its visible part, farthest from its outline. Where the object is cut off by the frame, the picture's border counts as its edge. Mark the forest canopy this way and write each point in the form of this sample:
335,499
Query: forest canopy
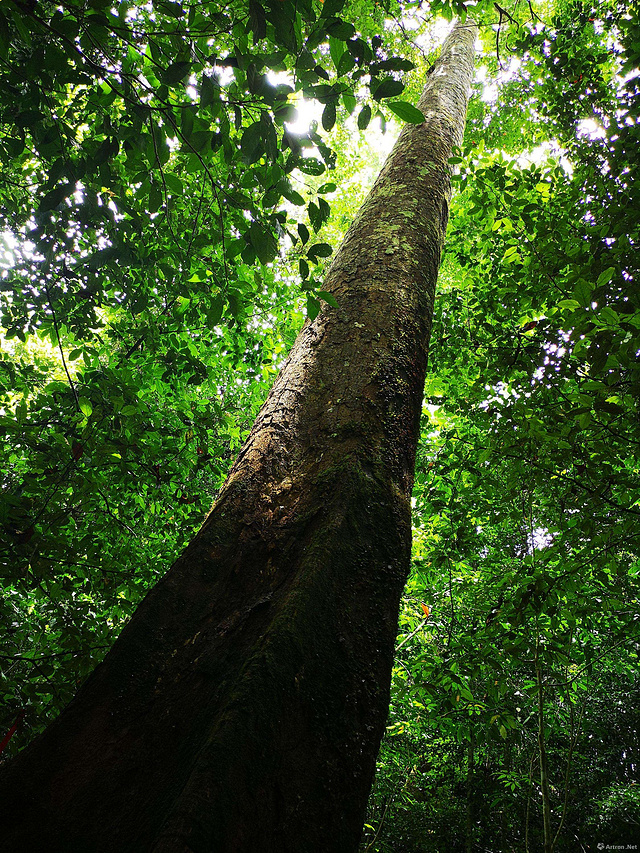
174,179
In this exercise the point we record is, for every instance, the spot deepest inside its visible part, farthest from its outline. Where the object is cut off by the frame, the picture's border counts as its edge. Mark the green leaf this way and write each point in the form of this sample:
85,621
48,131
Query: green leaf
341,30
406,111
349,101
325,93
107,149
319,250
608,315
569,304
325,209
209,91
313,306
252,142
331,8
257,20
172,8
387,88
54,197
310,165
234,248
19,20
329,298
582,292
329,116
5,38
605,276
285,112
337,49
175,73
365,117
289,193
394,63
155,198
346,64
315,217
214,310
85,406
303,231
263,242
360,50
174,183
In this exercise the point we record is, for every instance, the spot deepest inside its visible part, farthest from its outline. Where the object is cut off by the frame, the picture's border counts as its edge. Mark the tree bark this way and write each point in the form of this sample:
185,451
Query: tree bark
242,707
542,754
471,761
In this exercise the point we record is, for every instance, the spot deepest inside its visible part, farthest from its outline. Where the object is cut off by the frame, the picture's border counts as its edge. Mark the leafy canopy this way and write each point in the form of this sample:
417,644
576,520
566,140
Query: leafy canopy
166,215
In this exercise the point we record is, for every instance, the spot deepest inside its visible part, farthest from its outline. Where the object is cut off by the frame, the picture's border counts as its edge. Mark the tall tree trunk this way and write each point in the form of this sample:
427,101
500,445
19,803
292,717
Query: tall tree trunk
471,760
542,754
242,707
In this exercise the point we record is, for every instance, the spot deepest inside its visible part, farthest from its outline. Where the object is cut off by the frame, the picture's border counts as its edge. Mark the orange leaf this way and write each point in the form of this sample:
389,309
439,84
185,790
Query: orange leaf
425,609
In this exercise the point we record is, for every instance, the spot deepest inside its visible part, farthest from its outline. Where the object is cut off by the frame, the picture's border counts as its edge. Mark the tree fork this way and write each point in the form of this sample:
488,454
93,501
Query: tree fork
242,707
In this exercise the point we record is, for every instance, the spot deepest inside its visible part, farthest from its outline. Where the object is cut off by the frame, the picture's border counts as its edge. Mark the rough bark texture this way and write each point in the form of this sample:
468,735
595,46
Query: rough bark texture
242,707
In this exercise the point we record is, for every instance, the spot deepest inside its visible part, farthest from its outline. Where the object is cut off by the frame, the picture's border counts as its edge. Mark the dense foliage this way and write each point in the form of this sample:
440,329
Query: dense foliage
165,228
527,488
149,181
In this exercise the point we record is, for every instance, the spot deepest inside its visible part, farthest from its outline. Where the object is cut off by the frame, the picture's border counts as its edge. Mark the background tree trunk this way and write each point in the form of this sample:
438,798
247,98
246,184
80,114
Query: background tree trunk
242,707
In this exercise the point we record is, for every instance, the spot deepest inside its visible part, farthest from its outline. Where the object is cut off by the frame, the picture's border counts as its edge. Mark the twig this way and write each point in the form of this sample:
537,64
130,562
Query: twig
113,515
79,563
412,634
526,819
57,331
534,14
498,37
52,655
504,12
575,730
165,193
453,609
384,814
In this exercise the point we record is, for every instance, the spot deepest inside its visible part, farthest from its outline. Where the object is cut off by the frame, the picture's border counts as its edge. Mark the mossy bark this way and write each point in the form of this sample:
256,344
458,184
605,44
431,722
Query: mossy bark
242,707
